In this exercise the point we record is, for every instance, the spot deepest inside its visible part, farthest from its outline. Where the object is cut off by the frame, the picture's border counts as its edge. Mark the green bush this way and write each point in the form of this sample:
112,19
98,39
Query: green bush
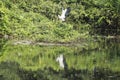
38,19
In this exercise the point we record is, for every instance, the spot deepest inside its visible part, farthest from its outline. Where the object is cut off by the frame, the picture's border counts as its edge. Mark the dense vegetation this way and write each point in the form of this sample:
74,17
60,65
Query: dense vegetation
89,40
37,19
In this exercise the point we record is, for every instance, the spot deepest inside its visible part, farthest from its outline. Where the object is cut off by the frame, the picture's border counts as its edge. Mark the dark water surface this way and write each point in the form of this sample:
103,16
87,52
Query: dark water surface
98,59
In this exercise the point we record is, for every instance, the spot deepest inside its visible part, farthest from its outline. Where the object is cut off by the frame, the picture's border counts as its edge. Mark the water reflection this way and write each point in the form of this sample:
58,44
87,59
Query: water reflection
98,61
12,71
2,44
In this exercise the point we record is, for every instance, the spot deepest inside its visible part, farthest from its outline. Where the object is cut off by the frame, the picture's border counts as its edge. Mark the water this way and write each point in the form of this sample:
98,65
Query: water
97,59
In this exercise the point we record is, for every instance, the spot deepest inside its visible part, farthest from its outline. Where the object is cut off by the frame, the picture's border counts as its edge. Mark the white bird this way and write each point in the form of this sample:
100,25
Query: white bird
64,14
60,59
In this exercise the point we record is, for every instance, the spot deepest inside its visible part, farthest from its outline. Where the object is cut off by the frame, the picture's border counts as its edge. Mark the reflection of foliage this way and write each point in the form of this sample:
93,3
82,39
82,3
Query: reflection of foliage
111,46
2,46
9,70
38,57
12,71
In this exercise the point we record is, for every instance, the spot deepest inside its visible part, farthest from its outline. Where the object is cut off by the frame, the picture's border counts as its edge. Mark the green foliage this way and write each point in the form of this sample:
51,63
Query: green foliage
38,19
3,20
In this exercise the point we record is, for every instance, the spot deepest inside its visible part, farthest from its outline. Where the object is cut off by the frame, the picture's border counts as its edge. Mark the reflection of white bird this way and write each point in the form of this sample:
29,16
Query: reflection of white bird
64,14
60,59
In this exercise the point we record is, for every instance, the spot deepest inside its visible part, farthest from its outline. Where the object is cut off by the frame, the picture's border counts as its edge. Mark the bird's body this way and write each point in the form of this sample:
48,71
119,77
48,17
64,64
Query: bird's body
64,14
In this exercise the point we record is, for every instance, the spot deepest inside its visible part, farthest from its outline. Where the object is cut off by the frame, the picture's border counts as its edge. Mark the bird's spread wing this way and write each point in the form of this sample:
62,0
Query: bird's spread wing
67,11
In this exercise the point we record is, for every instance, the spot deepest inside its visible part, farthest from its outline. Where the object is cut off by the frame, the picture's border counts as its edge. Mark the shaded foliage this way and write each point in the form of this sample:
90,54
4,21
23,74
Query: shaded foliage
12,71
38,19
